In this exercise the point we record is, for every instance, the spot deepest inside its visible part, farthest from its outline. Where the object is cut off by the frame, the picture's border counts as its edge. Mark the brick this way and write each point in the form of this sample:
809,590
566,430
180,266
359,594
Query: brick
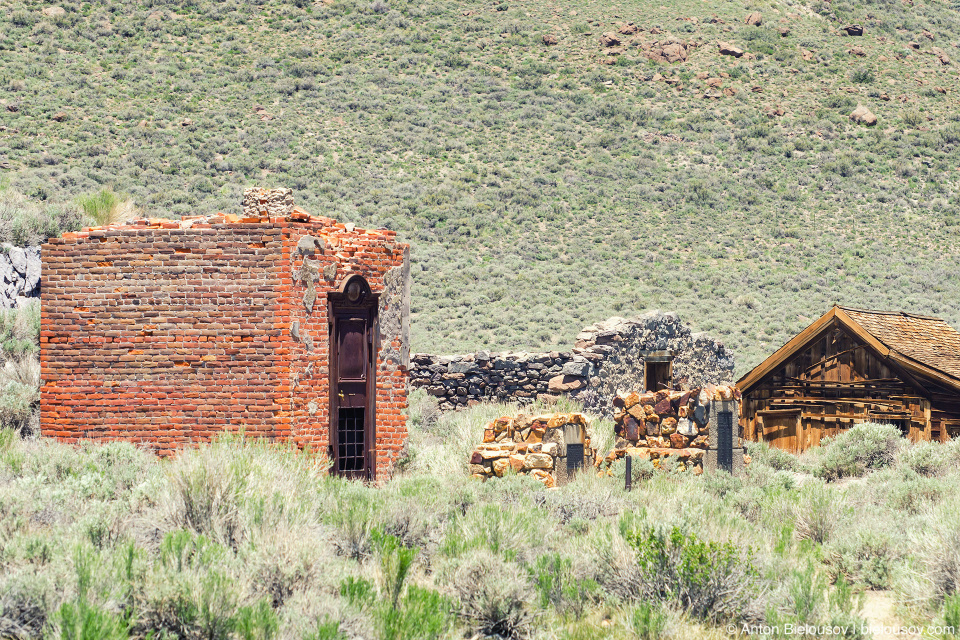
166,336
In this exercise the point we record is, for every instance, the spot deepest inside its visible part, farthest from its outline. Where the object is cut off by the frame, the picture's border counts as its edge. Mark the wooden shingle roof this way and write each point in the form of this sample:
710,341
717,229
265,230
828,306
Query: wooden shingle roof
925,339
919,344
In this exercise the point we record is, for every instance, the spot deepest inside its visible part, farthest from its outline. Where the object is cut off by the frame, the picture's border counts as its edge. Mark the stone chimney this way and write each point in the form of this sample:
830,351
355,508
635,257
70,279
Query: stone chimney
265,203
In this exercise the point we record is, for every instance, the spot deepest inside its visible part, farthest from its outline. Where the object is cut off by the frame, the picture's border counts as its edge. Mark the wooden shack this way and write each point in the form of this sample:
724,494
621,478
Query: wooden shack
853,366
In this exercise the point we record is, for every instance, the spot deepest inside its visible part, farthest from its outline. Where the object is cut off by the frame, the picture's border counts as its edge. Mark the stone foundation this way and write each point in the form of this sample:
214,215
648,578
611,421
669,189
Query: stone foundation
540,446
677,424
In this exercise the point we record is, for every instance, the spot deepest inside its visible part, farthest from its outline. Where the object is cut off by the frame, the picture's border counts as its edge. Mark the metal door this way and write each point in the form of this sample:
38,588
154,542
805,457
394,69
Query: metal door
352,381
725,440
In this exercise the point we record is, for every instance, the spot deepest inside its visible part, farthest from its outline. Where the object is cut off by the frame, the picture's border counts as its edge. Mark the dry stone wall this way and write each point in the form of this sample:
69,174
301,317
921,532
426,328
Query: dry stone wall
607,358
539,446
681,426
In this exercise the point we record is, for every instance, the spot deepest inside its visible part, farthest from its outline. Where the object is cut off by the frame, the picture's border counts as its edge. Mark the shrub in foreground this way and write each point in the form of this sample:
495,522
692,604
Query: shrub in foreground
863,447
710,580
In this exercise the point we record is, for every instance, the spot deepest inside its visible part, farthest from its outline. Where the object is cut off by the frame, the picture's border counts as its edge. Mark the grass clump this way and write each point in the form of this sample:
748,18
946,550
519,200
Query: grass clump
25,221
105,207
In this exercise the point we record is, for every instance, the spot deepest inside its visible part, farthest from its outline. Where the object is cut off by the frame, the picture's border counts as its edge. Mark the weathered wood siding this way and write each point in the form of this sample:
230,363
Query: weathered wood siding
837,381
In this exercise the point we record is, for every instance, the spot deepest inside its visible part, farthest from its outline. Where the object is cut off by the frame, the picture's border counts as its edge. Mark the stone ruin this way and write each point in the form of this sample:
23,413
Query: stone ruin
550,448
653,351
698,429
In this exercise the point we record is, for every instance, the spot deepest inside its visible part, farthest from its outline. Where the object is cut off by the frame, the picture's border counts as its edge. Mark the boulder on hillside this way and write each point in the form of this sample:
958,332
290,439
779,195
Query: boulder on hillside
628,29
784,32
727,49
755,19
675,52
863,115
549,39
853,30
609,39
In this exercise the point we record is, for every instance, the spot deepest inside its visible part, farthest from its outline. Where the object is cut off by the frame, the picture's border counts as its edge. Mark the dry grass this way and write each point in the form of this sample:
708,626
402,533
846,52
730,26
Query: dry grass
241,537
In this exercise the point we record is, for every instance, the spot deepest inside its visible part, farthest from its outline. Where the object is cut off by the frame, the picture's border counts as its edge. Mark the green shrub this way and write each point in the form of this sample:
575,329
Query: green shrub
951,614
256,622
83,621
395,563
763,453
817,512
862,75
421,614
561,588
861,448
26,222
20,330
20,394
710,580
648,621
418,613
326,630
642,469
927,458
866,558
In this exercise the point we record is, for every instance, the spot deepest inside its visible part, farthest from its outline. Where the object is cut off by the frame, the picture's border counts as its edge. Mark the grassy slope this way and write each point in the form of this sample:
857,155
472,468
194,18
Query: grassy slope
540,188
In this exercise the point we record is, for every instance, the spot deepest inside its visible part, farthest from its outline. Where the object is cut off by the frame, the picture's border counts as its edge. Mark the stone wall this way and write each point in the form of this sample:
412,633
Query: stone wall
532,445
168,332
682,425
607,358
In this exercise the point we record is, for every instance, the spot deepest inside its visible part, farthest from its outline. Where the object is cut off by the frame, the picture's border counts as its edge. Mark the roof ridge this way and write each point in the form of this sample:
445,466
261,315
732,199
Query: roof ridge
891,313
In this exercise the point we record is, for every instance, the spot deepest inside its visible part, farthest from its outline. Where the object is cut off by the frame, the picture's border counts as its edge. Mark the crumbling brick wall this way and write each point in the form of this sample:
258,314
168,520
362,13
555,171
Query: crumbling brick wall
166,333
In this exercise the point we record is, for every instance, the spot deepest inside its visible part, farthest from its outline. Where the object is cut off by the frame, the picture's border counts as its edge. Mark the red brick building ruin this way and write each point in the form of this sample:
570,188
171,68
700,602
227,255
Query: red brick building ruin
287,326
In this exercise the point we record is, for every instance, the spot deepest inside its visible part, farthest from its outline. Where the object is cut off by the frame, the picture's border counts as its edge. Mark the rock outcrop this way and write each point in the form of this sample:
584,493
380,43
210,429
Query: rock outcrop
727,49
20,271
864,116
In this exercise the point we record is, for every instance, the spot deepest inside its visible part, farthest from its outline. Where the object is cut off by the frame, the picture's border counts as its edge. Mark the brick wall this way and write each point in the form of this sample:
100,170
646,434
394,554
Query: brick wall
167,333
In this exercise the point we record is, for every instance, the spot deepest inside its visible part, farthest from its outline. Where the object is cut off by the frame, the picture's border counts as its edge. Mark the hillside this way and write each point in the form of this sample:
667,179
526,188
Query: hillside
541,187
